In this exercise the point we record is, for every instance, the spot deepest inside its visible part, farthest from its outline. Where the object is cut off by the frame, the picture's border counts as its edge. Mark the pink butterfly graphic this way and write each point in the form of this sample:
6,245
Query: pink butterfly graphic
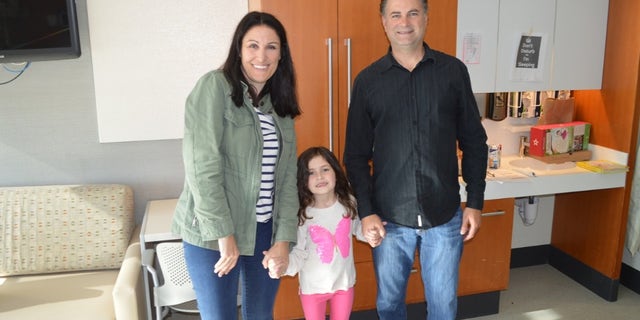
326,242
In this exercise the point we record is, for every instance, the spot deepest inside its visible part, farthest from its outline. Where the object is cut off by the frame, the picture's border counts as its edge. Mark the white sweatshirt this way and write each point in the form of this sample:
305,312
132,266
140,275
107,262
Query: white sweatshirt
322,256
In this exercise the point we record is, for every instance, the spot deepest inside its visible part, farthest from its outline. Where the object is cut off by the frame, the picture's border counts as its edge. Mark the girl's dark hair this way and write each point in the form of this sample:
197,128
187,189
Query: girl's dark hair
282,85
343,188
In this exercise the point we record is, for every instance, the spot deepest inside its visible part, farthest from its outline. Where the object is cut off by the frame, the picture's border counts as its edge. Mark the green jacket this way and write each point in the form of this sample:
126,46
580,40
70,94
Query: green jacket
222,154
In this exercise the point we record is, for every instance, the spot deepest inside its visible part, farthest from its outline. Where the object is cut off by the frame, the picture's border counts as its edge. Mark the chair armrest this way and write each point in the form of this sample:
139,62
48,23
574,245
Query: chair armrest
128,291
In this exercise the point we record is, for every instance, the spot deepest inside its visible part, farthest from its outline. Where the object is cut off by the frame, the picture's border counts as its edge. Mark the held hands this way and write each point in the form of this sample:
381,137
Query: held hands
471,219
276,259
276,267
373,230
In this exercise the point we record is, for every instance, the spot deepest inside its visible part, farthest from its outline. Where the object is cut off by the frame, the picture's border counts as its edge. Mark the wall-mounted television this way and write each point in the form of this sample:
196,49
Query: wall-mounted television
38,30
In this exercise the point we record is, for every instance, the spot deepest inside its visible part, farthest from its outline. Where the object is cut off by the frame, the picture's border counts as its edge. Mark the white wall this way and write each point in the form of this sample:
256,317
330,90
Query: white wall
49,130
538,233
146,57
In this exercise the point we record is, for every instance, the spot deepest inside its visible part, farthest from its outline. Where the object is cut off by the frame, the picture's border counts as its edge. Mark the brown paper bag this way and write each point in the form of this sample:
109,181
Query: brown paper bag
557,111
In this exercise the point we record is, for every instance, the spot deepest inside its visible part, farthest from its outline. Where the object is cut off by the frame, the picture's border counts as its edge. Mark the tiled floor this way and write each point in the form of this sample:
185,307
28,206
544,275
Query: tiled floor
543,293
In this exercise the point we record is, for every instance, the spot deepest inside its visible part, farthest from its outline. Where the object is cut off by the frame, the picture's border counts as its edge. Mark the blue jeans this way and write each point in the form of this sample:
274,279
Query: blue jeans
440,249
217,297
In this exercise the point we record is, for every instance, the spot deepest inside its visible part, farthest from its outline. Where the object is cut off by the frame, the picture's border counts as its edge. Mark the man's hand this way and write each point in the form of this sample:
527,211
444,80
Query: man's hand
373,230
470,223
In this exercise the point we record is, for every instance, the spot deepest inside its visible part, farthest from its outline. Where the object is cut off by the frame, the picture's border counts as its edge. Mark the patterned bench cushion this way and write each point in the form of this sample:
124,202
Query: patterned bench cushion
46,229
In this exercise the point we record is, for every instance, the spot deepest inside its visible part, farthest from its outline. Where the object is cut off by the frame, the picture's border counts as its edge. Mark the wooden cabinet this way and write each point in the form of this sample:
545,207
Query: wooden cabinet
486,258
570,55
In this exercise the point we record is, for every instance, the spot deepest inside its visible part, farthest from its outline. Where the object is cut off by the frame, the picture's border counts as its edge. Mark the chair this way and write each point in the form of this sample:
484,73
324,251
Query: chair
176,293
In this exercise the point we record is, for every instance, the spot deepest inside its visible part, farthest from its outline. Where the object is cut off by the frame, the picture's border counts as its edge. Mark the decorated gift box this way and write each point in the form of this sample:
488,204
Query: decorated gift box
559,138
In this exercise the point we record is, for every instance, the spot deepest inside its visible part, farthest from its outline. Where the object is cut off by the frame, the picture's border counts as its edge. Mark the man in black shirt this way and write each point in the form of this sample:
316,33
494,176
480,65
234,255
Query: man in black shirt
409,112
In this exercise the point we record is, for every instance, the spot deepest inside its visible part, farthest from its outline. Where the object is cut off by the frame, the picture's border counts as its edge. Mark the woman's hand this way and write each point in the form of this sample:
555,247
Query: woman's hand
277,268
277,259
228,256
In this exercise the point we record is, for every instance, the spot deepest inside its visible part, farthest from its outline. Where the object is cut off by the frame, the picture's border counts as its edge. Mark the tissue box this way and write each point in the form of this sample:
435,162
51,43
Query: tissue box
559,138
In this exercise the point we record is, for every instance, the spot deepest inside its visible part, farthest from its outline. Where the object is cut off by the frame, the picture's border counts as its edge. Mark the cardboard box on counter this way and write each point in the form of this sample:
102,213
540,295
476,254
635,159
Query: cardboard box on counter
559,138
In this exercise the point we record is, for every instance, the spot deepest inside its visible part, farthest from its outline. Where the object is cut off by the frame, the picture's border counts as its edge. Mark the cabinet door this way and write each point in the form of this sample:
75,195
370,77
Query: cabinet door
518,18
312,30
361,251
581,32
287,305
361,41
486,258
365,289
477,41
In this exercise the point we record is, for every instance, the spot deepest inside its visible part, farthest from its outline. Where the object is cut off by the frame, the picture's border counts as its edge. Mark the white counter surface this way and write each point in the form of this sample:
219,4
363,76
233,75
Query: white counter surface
513,182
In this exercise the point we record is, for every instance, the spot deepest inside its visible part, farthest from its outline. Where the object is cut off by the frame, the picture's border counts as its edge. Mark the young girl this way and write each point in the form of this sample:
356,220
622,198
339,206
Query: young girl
323,254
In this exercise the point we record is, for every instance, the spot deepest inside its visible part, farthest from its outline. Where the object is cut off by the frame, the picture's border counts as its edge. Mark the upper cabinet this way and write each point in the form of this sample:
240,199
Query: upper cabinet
330,42
477,41
525,44
522,45
581,34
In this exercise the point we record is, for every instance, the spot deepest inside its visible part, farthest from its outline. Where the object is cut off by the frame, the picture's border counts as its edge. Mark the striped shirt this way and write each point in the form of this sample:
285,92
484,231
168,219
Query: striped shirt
264,207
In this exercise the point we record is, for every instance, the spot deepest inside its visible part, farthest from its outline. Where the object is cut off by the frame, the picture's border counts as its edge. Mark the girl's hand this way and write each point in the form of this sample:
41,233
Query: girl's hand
229,254
373,229
276,259
275,268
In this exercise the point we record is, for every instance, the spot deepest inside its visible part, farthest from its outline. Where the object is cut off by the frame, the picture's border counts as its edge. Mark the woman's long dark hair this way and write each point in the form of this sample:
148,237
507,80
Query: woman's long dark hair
282,85
343,188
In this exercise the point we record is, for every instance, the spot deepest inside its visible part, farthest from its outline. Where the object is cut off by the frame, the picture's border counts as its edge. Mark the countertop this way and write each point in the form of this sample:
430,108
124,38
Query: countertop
511,182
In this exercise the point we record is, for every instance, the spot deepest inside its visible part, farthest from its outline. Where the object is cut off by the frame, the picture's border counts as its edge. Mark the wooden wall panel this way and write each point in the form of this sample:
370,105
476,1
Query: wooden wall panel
586,226
591,226
442,26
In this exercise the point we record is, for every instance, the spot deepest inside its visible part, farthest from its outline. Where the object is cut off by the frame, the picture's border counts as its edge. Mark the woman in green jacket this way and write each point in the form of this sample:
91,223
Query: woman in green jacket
238,208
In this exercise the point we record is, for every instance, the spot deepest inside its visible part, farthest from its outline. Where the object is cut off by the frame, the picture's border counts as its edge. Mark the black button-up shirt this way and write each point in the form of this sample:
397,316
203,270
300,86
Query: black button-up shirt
408,124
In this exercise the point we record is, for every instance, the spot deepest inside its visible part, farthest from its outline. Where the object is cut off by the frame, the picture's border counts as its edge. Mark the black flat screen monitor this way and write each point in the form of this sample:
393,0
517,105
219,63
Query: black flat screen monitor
38,30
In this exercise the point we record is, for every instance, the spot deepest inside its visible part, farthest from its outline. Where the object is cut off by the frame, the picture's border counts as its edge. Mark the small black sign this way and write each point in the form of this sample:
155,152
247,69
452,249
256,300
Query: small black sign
528,52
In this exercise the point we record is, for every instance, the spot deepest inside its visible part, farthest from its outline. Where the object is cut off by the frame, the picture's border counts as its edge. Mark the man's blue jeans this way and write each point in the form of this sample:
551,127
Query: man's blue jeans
440,249
217,297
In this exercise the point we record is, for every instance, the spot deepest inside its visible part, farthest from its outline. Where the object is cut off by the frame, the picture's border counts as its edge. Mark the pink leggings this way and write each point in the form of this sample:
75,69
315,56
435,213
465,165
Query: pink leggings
315,305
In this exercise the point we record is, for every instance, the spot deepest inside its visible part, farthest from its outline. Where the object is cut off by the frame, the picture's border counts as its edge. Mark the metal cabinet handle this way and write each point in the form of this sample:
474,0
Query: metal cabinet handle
347,42
494,213
330,59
